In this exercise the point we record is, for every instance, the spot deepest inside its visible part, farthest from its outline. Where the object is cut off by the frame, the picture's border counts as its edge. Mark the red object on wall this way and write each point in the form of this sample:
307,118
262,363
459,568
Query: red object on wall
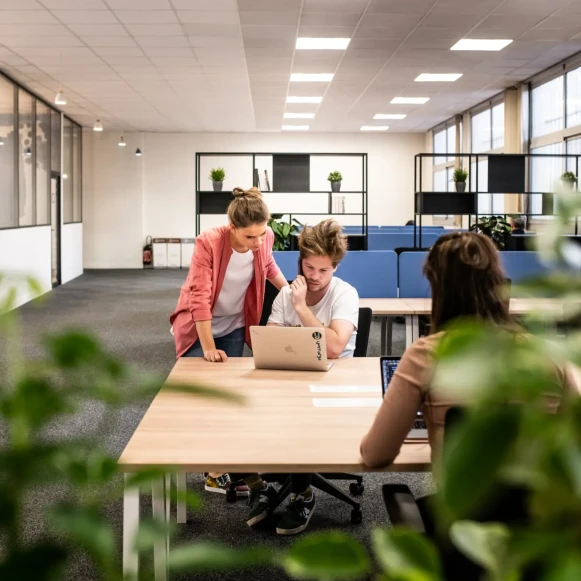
148,253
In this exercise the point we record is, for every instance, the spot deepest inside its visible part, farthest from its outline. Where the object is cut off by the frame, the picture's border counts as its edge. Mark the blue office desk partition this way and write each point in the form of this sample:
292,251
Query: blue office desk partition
412,283
373,274
390,240
520,266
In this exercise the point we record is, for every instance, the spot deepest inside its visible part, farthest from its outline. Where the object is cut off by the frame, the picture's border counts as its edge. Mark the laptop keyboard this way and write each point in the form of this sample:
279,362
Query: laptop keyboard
420,425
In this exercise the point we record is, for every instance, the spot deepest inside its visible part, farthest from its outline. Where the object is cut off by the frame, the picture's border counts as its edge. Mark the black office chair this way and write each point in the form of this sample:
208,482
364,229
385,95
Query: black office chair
323,481
509,505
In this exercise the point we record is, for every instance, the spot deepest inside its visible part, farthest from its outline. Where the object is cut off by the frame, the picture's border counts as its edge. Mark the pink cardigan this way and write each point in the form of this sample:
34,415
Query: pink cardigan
200,292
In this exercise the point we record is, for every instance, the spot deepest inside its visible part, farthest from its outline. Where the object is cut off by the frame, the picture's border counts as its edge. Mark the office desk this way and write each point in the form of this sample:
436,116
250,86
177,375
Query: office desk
386,308
518,306
279,428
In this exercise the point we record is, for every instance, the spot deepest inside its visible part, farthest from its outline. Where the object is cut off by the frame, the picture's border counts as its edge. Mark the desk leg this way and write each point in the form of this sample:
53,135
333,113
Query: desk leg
383,335
416,327
130,529
181,505
160,550
409,330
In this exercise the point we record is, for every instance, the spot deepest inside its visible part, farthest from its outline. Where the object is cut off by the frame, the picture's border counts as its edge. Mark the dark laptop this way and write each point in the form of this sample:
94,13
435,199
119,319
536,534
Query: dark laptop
388,367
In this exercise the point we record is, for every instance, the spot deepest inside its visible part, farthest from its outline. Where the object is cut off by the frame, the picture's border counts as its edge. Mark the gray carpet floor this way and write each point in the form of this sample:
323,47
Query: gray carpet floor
128,311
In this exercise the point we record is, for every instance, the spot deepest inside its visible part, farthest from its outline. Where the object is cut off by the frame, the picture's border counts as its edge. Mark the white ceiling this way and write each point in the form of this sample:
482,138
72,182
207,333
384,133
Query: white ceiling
225,65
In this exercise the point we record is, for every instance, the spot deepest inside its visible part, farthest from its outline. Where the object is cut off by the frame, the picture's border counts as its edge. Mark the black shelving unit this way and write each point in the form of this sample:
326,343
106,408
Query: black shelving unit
508,173
291,175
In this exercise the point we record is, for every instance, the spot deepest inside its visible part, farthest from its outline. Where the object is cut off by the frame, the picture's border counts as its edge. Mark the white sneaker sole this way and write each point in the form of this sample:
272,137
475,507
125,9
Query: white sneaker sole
258,518
239,493
298,529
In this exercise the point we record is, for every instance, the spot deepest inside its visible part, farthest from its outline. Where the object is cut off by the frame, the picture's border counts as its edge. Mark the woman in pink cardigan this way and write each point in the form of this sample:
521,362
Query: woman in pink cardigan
224,292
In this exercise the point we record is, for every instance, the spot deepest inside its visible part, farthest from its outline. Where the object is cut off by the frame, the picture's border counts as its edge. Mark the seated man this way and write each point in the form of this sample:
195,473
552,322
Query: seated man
517,225
315,299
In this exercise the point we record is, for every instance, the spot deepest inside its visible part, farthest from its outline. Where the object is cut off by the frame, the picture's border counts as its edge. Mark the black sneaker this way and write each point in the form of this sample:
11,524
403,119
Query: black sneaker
297,516
261,502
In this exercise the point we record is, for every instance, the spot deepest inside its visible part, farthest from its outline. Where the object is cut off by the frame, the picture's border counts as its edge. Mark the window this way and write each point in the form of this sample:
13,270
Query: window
574,98
68,215
43,134
77,177
545,172
547,108
55,146
451,141
440,181
8,194
26,157
498,126
445,142
573,147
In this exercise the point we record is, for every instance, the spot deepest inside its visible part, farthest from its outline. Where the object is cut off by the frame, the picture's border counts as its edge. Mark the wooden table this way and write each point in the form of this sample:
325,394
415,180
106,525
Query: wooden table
290,421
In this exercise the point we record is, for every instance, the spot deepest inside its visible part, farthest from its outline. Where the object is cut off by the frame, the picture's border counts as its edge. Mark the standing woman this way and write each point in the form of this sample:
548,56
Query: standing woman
224,291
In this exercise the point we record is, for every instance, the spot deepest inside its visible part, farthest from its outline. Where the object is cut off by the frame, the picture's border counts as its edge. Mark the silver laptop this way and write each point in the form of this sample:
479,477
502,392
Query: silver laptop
296,348
388,367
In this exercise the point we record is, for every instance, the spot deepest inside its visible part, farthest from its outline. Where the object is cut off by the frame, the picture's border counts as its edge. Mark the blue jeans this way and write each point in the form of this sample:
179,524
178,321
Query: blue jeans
232,344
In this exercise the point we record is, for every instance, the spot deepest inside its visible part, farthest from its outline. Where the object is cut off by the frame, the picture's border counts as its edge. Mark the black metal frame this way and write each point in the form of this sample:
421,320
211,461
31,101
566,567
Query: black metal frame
475,158
57,176
364,192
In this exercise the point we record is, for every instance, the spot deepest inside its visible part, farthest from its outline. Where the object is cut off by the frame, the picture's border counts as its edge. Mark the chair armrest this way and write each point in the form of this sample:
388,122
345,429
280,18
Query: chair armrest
401,507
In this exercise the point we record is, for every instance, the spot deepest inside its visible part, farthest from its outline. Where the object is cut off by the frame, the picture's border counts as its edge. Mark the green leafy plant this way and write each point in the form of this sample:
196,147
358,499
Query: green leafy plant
283,231
495,227
570,177
460,175
335,176
217,174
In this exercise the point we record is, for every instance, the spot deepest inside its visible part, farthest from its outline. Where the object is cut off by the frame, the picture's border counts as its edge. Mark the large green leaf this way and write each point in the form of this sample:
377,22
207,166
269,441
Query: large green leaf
485,544
41,562
150,531
326,557
213,557
406,555
474,454
70,350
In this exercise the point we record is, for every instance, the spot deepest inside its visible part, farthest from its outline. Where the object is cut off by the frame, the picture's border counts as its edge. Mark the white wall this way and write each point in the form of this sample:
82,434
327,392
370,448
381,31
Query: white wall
71,252
127,198
25,252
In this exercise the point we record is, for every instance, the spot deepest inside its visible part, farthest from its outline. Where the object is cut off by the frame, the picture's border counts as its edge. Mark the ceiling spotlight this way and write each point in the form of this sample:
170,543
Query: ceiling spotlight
438,78
311,77
304,99
98,126
374,128
299,115
138,152
295,127
409,100
60,98
322,43
488,44
389,116
28,152
122,142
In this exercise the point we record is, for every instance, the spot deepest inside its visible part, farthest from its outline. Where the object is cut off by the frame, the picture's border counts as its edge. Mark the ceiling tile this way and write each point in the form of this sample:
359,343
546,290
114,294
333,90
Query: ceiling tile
27,17
269,5
139,5
48,41
158,51
400,6
110,41
326,31
521,7
85,16
163,41
215,42
269,32
214,5
146,16
208,17
73,4
20,5
334,6
542,34
118,51
98,29
212,30
155,29
461,7
330,19
33,30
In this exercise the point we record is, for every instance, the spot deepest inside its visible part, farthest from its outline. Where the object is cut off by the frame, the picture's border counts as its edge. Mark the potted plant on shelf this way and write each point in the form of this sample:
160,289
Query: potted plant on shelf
460,176
569,179
217,175
283,231
335,178
495,227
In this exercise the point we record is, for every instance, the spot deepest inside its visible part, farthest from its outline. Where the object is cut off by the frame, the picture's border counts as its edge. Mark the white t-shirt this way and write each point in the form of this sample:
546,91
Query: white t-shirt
229,311
341,302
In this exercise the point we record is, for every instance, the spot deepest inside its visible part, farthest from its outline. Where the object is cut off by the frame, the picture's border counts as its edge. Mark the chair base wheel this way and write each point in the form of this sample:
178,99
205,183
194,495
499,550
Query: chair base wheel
356,516
356,489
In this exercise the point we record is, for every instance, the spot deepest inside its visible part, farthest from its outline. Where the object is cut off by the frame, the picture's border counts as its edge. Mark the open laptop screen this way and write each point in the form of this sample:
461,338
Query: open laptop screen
388,367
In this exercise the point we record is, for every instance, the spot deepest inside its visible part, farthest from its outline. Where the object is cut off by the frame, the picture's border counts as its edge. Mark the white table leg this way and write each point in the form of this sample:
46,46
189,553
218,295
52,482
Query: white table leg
409,330
130,528
383,335
416,327
160,550
181,505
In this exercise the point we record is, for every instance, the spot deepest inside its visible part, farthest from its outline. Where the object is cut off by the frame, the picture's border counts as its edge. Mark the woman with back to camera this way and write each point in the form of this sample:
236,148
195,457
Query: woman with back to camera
224,291
466,278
